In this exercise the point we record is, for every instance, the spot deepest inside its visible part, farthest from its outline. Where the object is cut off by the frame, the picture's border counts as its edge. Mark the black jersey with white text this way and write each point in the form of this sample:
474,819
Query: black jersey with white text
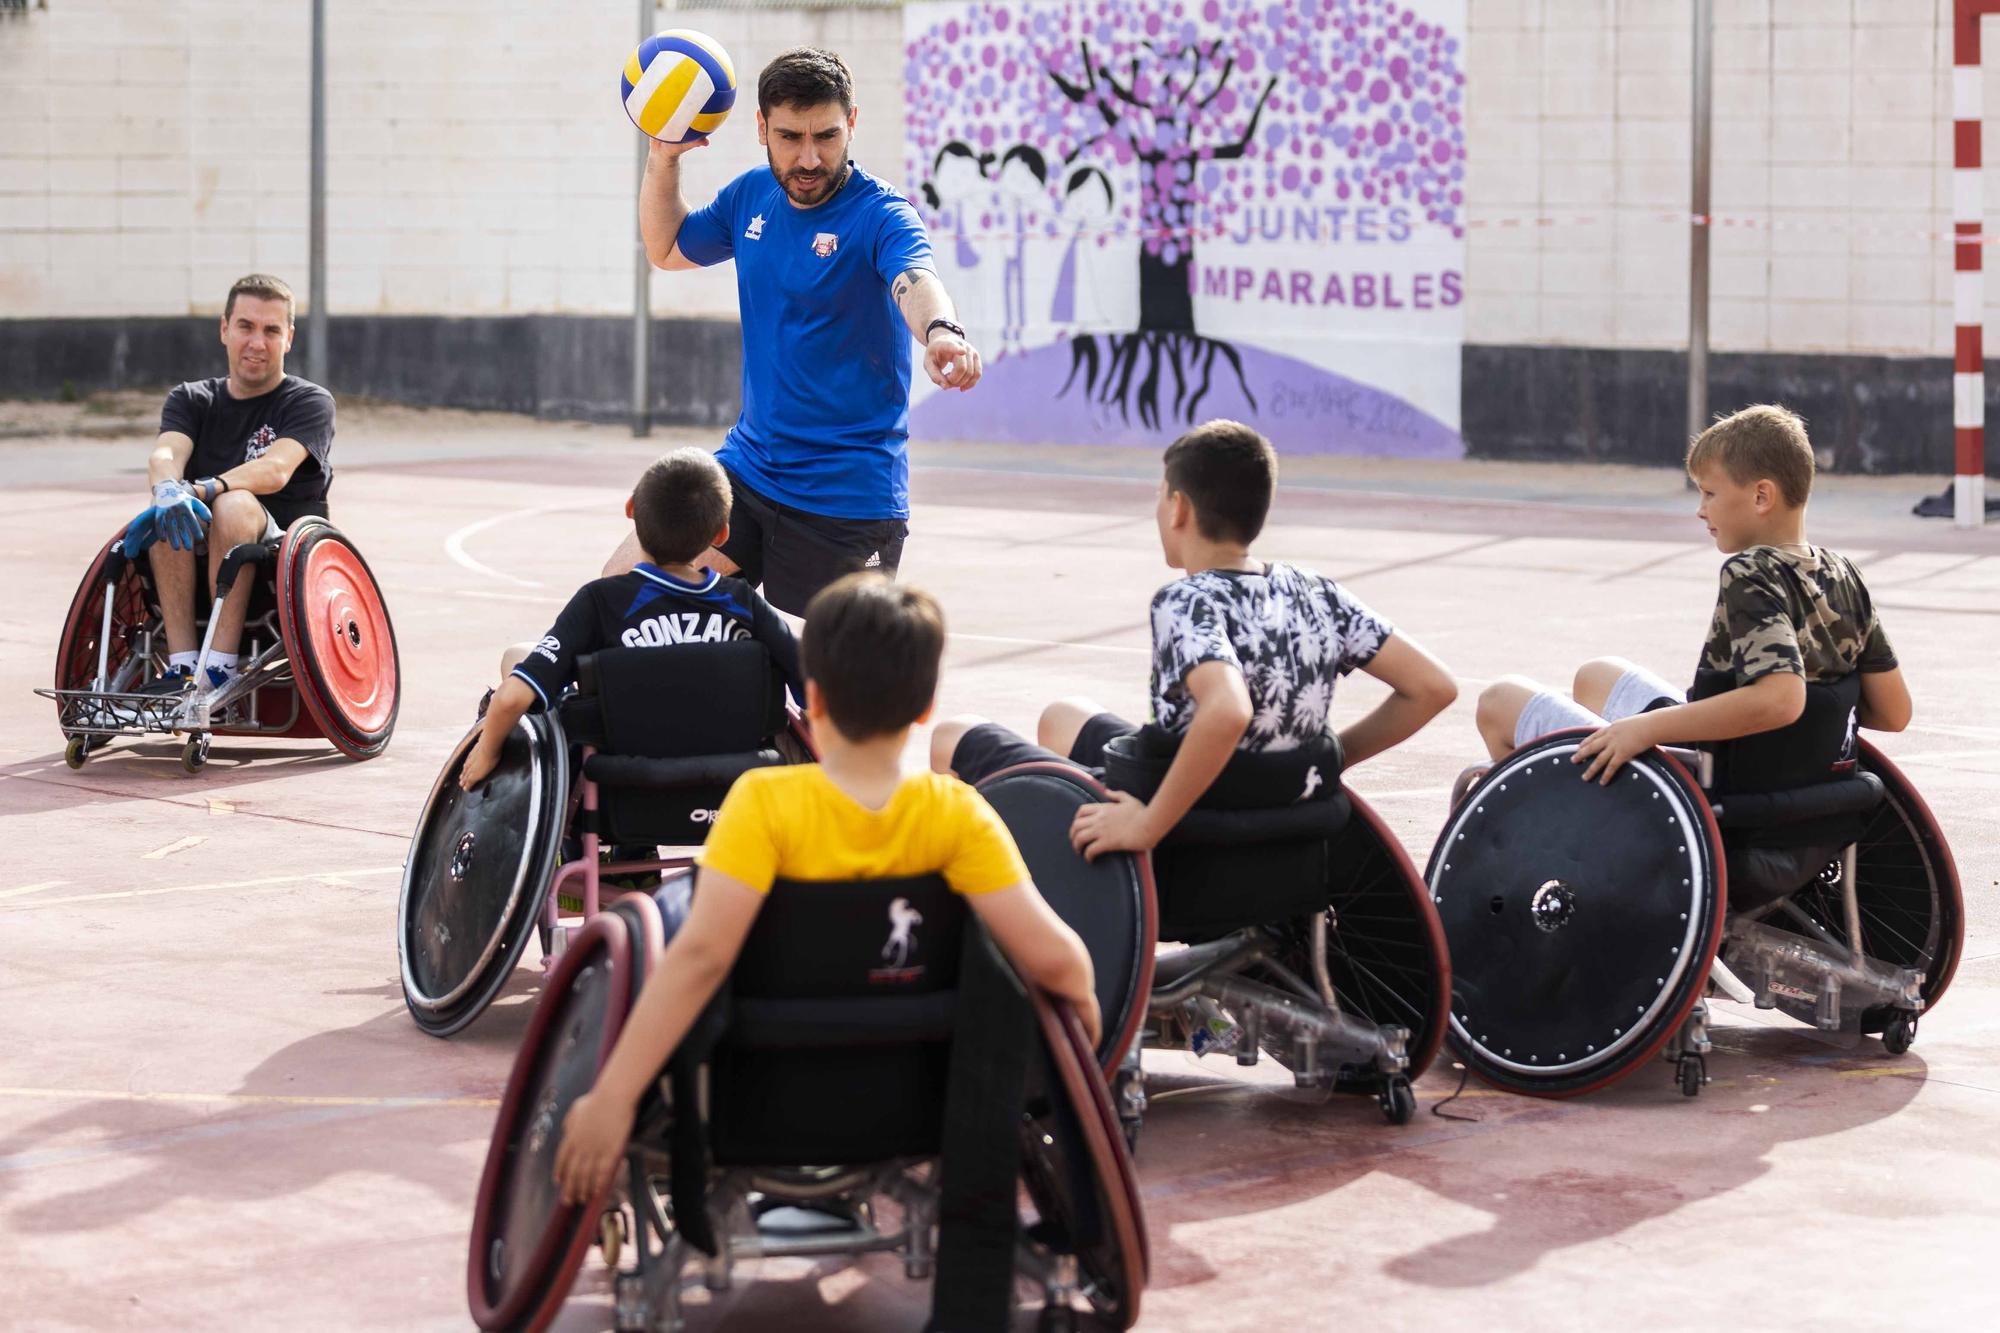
650,608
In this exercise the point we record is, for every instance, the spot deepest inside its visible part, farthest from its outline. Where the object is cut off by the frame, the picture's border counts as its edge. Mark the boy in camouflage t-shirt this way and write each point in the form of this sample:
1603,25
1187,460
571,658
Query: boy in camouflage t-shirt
1788,614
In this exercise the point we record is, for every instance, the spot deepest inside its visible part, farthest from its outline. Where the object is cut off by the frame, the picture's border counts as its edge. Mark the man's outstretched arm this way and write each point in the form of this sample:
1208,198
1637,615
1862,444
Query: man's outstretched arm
662,209
949,359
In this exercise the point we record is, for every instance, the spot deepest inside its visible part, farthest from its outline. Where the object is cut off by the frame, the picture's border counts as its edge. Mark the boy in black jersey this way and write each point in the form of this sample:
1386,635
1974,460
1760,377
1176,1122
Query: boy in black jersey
680,508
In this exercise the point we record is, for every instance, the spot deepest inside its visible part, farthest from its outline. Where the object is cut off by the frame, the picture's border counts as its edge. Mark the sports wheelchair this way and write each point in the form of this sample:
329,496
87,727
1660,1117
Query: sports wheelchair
1589,925
319,655
1309,935
486,869
957,1087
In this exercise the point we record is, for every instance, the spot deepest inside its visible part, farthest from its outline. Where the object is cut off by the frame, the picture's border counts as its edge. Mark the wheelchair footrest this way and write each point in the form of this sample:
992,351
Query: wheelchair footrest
1336,1039
107,713
1821,984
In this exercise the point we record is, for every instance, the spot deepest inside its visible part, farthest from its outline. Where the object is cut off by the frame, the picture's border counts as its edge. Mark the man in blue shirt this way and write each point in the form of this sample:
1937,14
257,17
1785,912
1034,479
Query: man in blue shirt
833,278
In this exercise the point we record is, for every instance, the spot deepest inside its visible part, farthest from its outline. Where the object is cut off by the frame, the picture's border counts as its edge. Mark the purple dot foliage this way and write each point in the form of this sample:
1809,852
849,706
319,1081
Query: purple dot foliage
1208,104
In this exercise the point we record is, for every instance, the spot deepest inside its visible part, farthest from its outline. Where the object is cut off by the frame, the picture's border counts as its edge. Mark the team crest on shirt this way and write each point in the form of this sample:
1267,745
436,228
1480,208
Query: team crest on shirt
825,244
257,444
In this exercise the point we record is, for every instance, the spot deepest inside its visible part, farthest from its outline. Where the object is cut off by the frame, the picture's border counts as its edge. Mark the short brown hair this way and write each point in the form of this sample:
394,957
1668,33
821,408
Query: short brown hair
1759,443
259,284
873,648
679,505
1228,472
805,76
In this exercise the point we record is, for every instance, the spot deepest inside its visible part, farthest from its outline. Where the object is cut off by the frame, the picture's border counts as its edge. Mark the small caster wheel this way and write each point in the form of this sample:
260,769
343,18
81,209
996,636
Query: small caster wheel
611,1236
1399,1100
919,1270
1692,1072
1131,1128
1056,1319
76,751
1897,1036
194,754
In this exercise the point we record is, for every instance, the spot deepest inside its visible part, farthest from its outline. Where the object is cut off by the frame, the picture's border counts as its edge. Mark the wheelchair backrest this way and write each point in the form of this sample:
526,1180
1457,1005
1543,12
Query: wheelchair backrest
682,700
842,1010
1260,780
1818,747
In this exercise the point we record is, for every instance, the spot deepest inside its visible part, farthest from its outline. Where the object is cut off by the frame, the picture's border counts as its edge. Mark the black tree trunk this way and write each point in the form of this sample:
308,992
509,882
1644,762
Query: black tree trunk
1166,302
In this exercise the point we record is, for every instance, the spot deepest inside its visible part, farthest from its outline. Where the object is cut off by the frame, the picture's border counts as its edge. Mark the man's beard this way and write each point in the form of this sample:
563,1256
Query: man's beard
830,179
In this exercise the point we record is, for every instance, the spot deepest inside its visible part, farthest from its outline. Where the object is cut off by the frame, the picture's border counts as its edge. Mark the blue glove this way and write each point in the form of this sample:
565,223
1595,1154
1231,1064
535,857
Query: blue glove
182,518
142,532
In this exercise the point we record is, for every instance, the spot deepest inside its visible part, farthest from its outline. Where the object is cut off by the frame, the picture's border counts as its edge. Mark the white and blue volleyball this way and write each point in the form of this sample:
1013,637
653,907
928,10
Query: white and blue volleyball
679,85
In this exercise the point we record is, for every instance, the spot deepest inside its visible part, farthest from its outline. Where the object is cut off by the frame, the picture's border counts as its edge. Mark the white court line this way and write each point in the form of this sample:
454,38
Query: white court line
31,888
454,545
179,845
334,876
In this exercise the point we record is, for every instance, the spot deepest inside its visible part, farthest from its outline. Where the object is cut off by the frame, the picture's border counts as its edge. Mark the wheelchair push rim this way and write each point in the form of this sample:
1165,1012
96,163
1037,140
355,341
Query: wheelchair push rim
1582,919
1110,902
476,874
1906,885
1104,1228
338,635
526,1244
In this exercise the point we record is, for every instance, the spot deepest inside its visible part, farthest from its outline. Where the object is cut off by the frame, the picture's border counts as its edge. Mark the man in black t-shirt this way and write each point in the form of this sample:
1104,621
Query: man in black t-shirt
239,457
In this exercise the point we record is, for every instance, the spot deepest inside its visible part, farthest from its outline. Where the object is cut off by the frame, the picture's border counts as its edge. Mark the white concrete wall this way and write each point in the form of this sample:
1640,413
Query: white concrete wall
479,163
1832,155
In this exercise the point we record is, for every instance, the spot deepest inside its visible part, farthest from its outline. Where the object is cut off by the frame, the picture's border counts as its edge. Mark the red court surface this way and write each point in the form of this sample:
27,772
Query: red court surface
215,1112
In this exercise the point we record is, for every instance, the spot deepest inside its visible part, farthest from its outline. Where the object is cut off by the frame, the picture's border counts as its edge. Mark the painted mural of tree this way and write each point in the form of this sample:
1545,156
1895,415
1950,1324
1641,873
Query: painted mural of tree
1216,106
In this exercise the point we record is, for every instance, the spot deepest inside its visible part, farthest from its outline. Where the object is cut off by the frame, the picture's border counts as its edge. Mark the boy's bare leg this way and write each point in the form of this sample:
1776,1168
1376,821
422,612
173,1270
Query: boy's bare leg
1499,711
630,553
516,654
945,737
1596,679
1062,720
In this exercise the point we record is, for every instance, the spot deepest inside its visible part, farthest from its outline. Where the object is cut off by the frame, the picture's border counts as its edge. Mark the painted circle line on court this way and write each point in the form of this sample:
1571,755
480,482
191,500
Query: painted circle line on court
454,545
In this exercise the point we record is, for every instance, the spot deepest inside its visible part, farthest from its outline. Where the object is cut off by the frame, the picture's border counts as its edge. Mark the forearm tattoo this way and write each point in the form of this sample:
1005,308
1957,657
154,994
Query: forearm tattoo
906,284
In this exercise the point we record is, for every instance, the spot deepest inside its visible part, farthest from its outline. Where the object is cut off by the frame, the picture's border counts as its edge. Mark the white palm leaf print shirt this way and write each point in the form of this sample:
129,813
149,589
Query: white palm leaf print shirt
1291,632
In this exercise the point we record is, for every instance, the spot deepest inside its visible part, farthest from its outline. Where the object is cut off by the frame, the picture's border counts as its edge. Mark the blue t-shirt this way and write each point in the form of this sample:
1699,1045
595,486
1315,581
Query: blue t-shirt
826,355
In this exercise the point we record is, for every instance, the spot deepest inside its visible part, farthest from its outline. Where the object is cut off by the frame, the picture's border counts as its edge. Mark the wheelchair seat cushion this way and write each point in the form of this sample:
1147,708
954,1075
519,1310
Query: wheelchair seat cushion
1251,780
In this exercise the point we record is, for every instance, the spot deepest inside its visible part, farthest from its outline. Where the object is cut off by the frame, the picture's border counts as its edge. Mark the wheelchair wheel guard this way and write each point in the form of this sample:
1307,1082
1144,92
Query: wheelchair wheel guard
76,652
1582,919
1109,902
337,633
1906,884
477,869
526,1243
1077,1171
1385,949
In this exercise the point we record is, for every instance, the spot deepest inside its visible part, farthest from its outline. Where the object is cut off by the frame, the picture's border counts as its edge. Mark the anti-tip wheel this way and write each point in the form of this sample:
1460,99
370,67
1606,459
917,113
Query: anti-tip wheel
194,754
1897,1036
76,751
611,1236
1692,1072
1399,1100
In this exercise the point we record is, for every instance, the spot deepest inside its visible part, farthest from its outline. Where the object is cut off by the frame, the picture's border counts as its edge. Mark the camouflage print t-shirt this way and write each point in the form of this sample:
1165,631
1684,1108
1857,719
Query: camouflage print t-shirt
1804,612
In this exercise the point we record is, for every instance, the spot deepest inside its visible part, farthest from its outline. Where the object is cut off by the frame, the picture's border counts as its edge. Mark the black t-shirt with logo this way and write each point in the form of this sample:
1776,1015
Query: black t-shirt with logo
229,432
650,608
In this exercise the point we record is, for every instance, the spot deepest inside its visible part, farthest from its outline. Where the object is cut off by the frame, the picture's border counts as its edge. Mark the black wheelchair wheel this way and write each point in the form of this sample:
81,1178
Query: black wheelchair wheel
1582,919
1906,885
477,869
1385,951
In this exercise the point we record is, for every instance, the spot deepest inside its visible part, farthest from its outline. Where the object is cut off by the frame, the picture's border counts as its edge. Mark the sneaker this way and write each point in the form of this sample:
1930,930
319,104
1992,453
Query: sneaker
219,676
174,680
637,881
484,700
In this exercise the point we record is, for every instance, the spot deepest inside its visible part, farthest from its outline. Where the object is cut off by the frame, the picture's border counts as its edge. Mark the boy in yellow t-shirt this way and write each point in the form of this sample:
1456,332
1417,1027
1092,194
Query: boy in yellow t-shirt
870,655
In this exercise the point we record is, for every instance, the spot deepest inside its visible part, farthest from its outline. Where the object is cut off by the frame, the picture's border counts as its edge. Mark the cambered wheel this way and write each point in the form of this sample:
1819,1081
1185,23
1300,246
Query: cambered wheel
338,636
1399,1100
76,750
194,752
1692,1073
1385,951
1582,918
1906,885
76,652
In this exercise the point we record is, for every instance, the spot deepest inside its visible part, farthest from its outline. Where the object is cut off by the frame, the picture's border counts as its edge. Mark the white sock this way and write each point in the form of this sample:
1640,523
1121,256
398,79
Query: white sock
186,660
223,665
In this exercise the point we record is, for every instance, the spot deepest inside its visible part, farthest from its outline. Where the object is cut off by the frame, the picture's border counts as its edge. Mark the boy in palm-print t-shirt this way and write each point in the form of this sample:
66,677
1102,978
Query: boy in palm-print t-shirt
1246,653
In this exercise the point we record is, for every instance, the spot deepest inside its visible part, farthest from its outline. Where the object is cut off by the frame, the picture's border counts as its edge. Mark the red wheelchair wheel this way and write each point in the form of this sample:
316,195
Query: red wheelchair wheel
76,651
337,633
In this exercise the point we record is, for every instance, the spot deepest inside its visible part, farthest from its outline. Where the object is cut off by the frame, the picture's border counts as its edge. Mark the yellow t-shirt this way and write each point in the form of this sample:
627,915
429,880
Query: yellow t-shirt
792,823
